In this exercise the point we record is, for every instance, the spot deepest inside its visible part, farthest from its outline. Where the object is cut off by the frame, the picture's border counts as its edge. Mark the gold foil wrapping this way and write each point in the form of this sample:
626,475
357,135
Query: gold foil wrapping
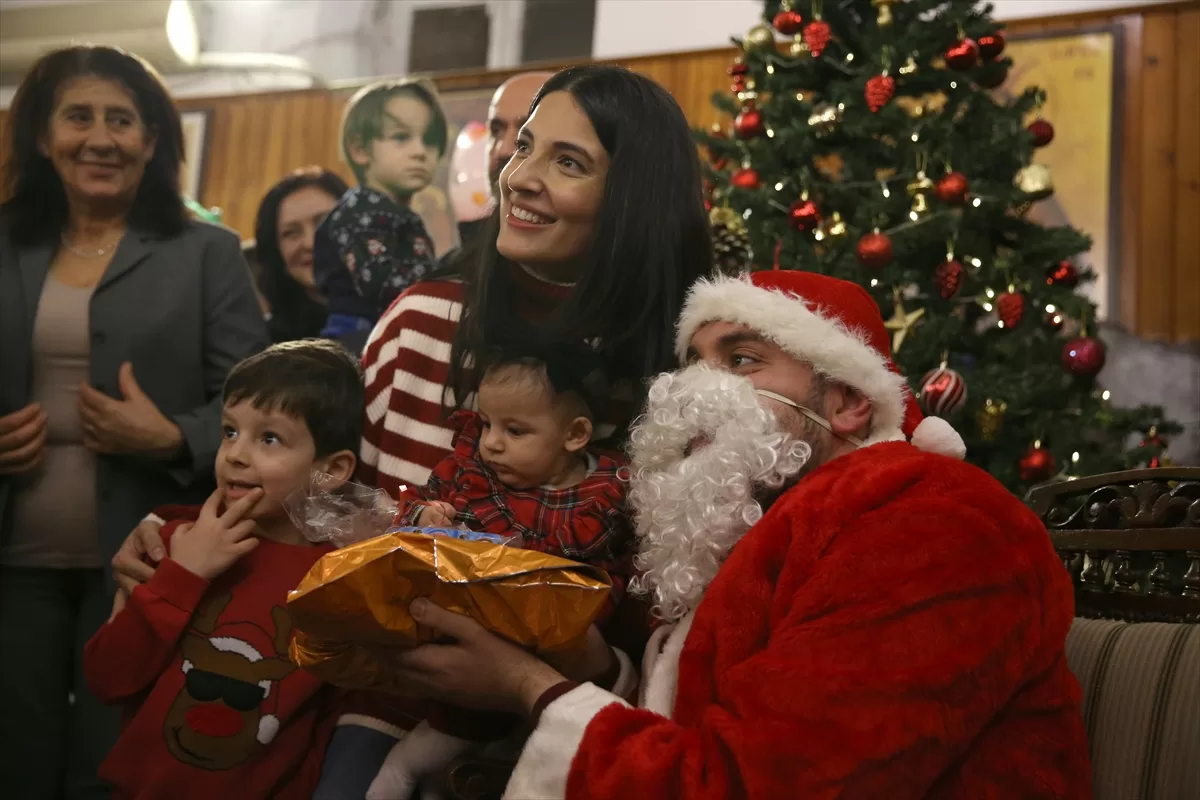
353,603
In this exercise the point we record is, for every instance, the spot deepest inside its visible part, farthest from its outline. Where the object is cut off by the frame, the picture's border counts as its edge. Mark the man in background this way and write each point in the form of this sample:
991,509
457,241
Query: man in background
506,114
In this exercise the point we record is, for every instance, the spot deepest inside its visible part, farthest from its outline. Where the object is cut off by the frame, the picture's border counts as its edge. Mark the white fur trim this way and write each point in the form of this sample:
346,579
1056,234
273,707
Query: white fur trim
542,770
935,435
228,644
626,685
268,726
662,677
798,327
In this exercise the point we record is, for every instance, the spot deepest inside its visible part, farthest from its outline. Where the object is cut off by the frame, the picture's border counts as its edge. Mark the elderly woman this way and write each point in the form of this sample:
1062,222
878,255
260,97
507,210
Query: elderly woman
119,319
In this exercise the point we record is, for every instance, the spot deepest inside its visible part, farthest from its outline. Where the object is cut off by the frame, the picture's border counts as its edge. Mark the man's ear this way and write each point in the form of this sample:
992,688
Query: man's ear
849,411
339,467
579,433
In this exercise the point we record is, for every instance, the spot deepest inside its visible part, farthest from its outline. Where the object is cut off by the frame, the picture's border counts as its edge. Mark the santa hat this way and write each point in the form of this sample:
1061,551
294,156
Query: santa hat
835,326
254,644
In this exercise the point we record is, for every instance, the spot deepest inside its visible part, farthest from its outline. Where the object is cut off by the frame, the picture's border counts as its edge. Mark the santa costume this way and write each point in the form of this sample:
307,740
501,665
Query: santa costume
892,627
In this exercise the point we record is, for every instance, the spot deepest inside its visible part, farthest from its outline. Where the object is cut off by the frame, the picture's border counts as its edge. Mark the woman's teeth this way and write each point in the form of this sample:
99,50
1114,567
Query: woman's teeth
529,216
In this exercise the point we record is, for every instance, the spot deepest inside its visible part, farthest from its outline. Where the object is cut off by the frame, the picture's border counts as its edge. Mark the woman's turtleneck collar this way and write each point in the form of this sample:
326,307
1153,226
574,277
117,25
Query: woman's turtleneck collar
537,298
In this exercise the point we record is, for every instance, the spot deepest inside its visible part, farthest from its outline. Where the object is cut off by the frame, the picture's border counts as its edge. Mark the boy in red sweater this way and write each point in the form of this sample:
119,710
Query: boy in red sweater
198,655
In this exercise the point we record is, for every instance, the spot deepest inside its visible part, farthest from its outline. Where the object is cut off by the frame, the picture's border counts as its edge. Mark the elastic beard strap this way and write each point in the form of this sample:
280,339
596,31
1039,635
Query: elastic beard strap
811,415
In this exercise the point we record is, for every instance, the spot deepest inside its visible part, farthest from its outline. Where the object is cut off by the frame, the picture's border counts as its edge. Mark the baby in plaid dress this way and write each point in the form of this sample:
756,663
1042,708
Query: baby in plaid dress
521,465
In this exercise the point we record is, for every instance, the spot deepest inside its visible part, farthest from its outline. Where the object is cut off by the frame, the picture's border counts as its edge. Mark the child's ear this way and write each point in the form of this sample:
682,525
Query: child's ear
360,153
579,433
339,466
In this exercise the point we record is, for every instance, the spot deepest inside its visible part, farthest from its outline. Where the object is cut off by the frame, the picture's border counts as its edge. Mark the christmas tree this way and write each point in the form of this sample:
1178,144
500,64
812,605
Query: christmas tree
867,143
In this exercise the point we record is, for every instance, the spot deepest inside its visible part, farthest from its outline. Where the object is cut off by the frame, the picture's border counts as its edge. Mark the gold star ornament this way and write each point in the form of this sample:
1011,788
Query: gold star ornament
902,321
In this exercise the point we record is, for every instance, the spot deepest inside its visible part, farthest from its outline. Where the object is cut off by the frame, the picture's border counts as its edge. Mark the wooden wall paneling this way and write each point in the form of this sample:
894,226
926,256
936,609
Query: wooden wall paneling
1156,230
1129,140
1186,292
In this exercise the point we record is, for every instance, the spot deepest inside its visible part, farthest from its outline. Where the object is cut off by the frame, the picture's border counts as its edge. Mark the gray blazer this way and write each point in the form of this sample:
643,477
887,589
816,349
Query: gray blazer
183,311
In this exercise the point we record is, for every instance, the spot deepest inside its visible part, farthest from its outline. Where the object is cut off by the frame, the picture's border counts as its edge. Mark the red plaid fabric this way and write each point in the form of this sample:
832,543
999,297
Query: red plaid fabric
587,522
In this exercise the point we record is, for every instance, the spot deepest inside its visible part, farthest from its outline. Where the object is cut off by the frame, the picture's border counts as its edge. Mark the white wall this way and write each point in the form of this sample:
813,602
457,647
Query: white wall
642,27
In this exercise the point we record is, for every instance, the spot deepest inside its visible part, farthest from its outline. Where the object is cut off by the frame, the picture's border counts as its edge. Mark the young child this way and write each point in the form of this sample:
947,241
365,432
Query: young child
521,466
373,246
198,656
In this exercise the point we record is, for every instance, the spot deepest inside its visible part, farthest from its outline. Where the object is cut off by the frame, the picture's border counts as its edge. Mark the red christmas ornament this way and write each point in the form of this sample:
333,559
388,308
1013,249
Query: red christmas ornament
1043,132
1063,273
992,76
962,55
879,91
745,178
1055,319
804,215
1037,464
1084,356
739,85
948,278
942,392
788,22
737,68
816,36
952,189
874,250
1011,308
991,45
749,123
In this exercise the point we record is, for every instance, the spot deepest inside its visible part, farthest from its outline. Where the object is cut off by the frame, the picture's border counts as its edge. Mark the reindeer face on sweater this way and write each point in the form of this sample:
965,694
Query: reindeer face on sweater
232,675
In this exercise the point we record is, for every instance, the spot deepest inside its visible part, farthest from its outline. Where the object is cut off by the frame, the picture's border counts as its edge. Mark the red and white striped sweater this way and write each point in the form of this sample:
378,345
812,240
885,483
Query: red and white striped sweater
406,363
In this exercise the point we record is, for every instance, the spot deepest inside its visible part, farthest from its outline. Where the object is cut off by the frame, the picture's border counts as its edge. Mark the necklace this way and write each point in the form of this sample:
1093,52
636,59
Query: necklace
538,277
100,253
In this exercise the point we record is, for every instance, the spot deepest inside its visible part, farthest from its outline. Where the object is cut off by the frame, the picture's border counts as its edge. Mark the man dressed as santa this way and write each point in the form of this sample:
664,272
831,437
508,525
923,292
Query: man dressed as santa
850,610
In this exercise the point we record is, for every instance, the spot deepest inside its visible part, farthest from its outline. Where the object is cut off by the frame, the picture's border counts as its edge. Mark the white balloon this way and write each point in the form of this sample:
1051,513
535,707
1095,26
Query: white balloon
470,195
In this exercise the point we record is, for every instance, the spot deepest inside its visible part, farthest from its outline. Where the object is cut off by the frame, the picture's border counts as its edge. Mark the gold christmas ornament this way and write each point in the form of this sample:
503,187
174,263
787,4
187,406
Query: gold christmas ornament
1035,181
902,322
885,12
836,227
918,190
990,419
760,37
826,117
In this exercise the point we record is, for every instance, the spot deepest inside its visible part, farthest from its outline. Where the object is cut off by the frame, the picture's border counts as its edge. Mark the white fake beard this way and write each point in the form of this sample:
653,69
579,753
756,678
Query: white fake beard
690,510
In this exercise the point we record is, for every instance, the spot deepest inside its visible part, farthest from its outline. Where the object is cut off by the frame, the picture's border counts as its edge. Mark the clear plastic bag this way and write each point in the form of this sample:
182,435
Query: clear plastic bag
341,516
459,532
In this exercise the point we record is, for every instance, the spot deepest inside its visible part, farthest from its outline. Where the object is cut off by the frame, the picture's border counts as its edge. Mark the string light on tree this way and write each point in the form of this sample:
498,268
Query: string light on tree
990,419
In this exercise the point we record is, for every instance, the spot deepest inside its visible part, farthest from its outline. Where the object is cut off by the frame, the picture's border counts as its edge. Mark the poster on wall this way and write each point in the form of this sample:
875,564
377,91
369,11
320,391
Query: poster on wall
1076,70
195,150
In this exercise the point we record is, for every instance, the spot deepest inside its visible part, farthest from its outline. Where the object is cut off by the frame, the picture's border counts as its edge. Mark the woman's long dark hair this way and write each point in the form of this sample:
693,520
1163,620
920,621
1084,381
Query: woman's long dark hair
651,240
293,312
36,208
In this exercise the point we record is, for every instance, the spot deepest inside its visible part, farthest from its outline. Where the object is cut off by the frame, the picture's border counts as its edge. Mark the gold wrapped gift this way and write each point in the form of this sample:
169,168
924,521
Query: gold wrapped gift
354,601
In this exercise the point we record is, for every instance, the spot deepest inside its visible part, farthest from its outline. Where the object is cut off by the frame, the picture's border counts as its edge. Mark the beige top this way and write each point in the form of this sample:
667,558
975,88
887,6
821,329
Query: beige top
55,513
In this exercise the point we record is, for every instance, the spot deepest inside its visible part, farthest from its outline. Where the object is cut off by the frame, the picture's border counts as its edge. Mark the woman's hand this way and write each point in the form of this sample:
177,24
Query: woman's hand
22,440
476,669
132,563
131,425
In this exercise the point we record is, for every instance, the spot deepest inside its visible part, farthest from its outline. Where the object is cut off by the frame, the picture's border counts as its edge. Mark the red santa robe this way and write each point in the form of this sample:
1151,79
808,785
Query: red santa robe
893,627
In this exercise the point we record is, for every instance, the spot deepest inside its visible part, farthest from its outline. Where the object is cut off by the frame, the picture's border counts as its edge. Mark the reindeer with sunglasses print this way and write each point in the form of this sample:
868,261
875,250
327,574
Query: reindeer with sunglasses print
218,719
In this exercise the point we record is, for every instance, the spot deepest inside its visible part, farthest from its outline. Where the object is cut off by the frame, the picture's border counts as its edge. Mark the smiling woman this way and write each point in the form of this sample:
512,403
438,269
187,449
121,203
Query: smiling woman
119,319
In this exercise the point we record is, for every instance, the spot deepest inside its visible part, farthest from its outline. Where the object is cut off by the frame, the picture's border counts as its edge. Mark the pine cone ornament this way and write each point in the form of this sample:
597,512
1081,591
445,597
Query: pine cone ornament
731,243
879,91
816,36
1011,308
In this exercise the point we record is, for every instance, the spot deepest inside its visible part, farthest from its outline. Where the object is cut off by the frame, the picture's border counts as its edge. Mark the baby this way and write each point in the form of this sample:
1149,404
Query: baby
521,466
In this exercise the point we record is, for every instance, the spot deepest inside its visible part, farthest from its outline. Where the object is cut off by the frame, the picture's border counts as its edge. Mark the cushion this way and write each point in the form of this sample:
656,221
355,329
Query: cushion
1141,706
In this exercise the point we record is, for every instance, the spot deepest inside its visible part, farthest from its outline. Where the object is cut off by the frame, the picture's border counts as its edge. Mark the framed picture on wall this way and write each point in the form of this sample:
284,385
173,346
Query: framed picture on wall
195,151
1078,71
